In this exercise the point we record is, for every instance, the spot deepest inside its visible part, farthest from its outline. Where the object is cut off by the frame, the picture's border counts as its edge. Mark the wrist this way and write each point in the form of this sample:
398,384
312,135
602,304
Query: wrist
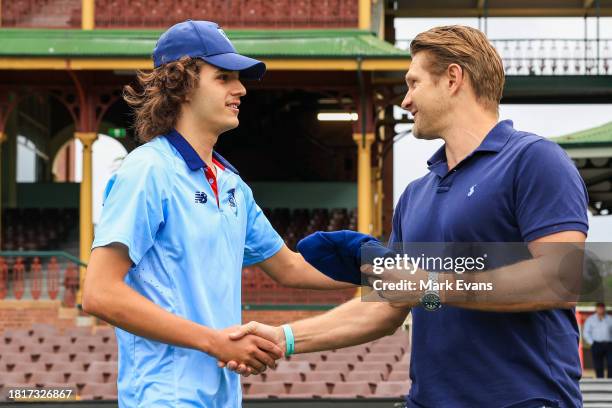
209,340
281,339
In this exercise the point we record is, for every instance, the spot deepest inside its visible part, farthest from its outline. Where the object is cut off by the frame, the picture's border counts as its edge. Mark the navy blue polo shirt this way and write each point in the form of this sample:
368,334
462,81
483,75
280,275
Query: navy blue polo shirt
515,187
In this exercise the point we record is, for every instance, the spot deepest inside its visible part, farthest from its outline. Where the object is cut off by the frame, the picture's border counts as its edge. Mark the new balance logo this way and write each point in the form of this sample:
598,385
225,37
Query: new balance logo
201,197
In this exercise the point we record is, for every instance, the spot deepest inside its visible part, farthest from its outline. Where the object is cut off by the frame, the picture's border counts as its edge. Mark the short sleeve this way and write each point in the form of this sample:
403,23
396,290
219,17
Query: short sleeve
550,195
396,224
134,203
262,241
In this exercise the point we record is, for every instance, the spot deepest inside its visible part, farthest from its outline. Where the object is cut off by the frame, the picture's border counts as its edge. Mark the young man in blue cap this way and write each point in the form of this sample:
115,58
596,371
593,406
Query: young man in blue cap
489,183
178,225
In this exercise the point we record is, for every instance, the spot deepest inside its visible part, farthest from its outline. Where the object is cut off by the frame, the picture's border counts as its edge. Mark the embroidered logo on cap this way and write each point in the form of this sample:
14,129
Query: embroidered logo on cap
224,35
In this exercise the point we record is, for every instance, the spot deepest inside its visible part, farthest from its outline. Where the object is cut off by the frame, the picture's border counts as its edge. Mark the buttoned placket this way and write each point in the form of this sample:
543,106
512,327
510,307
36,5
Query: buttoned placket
211,179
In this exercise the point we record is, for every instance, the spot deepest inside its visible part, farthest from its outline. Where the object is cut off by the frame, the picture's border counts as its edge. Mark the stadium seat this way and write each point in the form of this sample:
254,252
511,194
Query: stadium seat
309,390
392,389
281,376
380,357
27,368
309,357
335,366
380,367
341,357
11,335
267,390
108,367
81,378
42,378
252,379
9,348
62,366
352,390
297,366
324,376
7,379
364,376
34,351
361,350
93,391
388,348
399,375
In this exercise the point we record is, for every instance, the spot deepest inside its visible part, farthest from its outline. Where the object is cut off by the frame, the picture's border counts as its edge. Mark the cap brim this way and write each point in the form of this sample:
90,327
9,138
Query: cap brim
249,68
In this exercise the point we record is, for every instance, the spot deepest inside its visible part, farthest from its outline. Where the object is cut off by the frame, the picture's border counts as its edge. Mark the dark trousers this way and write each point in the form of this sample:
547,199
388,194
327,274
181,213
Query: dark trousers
602,351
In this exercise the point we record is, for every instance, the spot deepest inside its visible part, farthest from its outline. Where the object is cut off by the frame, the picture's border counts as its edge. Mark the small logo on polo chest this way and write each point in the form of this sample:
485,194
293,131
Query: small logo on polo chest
201,197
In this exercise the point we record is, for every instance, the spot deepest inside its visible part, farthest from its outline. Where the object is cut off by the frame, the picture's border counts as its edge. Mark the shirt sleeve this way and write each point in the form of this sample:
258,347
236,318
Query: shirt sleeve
550,195
134,204
262,241
396,225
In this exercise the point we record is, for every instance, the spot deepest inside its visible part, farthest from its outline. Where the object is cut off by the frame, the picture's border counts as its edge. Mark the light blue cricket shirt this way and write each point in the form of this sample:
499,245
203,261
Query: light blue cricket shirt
187,254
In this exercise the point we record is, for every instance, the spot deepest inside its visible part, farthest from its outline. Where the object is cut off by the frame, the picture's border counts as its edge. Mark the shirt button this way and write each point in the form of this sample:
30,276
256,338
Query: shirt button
211,181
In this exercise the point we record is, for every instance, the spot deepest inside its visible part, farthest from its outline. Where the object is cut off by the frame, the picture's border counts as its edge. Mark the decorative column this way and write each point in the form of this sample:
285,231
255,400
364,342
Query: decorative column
364,181
87,14
87,139
365,14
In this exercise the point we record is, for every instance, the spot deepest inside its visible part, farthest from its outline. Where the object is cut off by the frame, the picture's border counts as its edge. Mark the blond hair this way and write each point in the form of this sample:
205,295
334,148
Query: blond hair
470,49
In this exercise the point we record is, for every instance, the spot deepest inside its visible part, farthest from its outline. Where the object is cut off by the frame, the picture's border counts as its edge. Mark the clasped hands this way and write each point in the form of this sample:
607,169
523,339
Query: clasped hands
250,348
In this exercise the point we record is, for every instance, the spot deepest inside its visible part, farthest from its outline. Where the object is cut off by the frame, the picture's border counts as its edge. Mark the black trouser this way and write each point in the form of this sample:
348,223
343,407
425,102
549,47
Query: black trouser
602,351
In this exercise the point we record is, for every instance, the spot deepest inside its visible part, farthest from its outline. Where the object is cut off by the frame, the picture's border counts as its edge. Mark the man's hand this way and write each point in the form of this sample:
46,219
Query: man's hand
243,347
387,286
272,334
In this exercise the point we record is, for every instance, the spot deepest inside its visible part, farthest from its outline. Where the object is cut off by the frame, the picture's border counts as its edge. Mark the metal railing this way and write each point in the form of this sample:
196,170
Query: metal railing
39,275
551,56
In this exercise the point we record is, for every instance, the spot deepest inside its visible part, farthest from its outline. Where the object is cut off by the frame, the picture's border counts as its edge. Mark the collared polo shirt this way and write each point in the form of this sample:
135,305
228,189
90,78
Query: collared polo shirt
515,187
188,251
598,330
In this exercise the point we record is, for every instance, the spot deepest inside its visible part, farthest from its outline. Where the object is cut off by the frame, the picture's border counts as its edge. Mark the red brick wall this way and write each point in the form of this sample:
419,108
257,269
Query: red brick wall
21,314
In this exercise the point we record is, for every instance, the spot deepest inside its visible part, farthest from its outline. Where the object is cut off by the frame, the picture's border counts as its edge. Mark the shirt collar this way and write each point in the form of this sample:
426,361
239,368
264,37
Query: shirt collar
495,140
193,160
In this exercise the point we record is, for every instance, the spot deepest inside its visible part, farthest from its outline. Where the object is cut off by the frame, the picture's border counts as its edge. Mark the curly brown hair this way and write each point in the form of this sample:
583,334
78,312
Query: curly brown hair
157,105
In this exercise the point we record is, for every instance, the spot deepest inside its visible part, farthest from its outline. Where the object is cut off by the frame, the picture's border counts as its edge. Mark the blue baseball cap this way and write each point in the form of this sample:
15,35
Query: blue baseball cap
207,41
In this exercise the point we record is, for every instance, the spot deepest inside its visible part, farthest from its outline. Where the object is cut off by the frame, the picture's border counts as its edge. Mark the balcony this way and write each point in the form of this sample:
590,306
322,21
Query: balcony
548,57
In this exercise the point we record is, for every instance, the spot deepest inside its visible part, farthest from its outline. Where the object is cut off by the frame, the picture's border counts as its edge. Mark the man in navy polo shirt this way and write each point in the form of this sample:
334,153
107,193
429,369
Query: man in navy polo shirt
489,183
178,225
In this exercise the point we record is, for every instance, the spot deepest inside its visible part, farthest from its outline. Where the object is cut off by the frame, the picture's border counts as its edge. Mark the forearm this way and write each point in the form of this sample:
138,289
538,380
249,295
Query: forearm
352,323
121,306
531,285
291,269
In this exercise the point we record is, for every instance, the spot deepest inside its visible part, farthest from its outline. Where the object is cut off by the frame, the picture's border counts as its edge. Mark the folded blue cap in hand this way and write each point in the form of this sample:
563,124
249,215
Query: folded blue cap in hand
337,254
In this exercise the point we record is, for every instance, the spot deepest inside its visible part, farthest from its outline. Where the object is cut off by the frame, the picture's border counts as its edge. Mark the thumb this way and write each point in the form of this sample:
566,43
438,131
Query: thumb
249,328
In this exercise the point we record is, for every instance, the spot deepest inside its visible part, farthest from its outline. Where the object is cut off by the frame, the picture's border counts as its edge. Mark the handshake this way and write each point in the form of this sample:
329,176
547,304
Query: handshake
250,348
253,347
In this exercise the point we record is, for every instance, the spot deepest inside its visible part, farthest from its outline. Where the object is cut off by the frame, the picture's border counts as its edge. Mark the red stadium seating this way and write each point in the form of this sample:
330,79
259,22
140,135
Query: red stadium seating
356,389
392,389
283,376
267,390
310,390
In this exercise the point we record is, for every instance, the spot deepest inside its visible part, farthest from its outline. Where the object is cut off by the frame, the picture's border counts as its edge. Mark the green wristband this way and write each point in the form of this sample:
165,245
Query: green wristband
289,340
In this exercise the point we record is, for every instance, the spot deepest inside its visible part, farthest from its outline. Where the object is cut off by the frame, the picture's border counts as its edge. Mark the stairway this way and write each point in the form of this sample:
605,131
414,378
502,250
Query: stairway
596,393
